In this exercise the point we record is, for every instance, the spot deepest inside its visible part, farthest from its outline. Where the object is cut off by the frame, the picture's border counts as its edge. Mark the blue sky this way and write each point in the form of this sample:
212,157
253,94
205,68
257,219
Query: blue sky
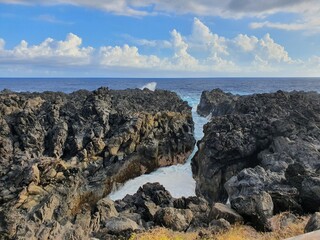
152,38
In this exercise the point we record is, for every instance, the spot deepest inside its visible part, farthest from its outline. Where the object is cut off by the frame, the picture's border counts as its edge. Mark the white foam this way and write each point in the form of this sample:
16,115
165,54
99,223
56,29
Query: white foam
151,86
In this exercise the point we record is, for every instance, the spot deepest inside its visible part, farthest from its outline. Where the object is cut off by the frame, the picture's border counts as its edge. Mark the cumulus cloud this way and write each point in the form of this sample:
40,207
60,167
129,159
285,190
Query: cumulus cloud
246,43
203,37
126,56
181,56
67,52
203,52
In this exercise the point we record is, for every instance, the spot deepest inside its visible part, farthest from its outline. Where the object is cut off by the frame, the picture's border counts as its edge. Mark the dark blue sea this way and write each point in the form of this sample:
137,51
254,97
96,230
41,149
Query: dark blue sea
185,85
176,179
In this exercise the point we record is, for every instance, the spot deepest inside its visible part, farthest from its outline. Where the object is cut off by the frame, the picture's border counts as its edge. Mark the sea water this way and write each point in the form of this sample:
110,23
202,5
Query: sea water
176,179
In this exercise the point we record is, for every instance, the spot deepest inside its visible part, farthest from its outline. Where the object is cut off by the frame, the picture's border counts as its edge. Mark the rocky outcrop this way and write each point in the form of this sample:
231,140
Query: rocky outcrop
62,153
153,206
216,102
261,151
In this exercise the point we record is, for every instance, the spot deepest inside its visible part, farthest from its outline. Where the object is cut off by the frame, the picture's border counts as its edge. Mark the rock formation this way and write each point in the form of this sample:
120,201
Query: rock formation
153,206
261,151
62,154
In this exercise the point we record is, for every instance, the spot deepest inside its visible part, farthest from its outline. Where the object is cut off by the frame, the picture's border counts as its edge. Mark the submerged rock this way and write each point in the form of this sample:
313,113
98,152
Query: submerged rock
261,151
62,153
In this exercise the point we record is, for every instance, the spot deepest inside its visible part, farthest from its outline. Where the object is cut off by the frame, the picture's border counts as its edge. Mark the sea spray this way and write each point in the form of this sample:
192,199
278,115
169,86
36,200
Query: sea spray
151,86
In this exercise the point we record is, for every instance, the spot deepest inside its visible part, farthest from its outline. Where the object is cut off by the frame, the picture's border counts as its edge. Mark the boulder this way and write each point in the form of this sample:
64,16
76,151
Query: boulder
219,225
220,210
121,225
175,219
216,102
313,223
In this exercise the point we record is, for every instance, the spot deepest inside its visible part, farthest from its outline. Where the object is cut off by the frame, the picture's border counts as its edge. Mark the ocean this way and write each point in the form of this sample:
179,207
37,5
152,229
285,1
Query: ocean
176,179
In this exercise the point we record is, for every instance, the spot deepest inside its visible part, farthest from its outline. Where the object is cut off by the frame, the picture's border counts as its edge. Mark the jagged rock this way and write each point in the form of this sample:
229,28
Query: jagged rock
73,149
220,210
260,147
249,199
106,210
175,219
156,193
313,223
216,102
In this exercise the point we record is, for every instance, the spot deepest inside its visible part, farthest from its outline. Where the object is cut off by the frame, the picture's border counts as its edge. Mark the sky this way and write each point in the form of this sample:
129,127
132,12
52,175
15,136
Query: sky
153,38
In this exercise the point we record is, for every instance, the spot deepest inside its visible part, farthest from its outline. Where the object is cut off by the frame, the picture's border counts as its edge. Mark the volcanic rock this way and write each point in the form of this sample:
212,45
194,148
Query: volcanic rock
62,153
313,223
261,151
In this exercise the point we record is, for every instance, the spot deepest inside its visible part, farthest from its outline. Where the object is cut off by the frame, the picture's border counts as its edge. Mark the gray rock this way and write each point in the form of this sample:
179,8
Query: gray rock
175,219
62,152
106,210
219,225
220,210
313,223
260,147
119,225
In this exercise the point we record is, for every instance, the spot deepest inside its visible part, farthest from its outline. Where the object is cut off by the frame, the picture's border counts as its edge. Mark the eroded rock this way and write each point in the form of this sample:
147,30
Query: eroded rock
62,153
260,148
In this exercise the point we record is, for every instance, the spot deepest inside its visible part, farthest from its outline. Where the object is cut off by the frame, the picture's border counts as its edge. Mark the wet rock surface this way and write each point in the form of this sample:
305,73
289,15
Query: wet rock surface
261,151
61,154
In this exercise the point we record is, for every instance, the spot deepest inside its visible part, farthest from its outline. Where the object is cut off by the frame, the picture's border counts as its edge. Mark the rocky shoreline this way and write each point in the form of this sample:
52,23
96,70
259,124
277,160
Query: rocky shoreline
62,154
262,152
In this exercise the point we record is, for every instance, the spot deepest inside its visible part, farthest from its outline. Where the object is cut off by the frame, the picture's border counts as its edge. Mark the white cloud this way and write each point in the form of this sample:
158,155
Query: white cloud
67,52
181,56
246,43
227,8
273,51
126,56
202,53
203,37
311,25
306,11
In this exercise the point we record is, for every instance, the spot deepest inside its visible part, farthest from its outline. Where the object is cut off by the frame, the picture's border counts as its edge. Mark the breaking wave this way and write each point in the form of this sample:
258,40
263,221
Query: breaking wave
151,86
